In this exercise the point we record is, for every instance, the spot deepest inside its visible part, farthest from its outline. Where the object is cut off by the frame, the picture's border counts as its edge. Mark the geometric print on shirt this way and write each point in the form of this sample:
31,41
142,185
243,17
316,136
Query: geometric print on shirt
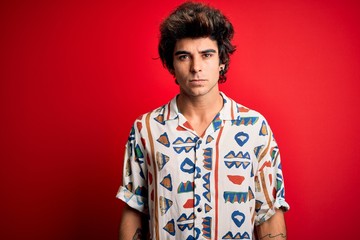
217,186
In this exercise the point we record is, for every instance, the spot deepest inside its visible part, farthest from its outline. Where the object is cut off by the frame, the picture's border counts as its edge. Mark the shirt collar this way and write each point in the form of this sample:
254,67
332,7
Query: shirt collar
229,110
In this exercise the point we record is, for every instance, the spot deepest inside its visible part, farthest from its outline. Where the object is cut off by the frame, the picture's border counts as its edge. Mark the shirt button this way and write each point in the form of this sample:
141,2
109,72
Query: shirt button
199,209
198,143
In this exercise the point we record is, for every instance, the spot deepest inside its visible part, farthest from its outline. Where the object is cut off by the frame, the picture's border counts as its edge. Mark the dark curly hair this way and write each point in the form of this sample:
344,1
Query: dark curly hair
196,20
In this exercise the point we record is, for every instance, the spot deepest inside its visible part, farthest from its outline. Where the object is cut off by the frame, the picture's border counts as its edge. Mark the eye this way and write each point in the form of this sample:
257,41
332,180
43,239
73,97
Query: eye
207,55
183,57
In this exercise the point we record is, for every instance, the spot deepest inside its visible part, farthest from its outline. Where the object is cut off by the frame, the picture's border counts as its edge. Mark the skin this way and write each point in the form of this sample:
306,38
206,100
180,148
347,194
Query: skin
196,69
132,226
274,228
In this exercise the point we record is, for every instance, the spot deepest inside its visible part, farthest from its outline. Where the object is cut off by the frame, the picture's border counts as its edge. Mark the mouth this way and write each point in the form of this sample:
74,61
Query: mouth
197,80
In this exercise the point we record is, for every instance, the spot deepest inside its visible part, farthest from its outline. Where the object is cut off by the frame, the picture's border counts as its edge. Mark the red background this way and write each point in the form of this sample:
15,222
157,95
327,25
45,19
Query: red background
74,76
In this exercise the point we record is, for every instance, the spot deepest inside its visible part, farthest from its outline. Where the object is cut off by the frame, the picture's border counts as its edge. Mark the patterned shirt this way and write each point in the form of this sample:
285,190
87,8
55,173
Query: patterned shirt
213,187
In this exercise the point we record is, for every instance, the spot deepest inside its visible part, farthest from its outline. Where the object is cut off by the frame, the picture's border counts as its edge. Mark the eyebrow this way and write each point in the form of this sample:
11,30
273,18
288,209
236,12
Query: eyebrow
186,52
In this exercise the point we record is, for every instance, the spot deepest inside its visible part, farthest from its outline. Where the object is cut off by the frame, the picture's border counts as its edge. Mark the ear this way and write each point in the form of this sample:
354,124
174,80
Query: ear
221,67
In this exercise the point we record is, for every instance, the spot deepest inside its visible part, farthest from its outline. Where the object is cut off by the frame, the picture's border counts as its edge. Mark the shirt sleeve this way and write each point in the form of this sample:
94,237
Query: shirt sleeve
134,190
269,181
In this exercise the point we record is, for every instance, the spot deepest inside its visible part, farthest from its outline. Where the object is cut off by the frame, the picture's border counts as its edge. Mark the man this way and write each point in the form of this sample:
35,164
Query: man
201,166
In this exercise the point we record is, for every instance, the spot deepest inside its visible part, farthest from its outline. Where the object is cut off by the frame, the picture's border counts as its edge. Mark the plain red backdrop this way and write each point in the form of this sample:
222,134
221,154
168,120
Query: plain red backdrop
74,76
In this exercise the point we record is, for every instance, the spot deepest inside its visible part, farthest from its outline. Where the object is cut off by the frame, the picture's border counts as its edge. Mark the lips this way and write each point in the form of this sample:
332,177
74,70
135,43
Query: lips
197,80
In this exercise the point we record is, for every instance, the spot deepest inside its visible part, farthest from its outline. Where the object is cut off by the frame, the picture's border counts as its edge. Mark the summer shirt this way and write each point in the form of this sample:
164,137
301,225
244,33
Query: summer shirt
212,187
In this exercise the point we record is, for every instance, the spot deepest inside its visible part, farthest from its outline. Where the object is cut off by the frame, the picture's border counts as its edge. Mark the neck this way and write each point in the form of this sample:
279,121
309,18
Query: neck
201,107
200,110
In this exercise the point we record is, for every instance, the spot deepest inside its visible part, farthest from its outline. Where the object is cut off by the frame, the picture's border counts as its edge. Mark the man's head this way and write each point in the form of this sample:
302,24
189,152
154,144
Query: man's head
196,20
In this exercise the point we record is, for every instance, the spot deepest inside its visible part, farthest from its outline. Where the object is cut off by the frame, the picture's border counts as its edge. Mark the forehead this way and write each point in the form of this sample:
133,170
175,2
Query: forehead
195,44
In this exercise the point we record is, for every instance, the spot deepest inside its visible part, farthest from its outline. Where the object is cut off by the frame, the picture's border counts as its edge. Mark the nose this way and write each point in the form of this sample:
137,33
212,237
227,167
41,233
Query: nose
196,65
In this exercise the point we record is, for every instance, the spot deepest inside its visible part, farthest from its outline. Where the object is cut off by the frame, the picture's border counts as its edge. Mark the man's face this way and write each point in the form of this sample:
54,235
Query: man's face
197,66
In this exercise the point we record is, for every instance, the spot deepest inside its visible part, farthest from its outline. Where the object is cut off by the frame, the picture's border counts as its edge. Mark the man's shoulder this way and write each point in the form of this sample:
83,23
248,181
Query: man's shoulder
243,111
157,114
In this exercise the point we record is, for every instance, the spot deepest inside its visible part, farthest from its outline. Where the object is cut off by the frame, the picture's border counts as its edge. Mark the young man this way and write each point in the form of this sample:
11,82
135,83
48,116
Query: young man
201,166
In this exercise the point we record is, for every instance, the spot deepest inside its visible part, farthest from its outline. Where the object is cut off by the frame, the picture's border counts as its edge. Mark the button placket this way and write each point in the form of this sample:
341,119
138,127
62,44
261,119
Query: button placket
198,182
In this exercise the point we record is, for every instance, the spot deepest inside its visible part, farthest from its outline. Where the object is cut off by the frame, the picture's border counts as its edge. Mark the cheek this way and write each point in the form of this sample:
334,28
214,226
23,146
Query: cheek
177,74
214,64
180,69
215,67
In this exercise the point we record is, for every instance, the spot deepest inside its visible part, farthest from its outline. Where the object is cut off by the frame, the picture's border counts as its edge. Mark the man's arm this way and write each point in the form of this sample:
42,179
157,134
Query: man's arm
133,225
274,228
